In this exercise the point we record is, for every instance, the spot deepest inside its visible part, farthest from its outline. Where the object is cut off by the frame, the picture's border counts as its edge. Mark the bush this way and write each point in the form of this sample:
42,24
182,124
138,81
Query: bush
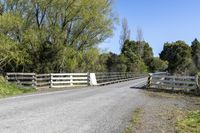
191,124
11,89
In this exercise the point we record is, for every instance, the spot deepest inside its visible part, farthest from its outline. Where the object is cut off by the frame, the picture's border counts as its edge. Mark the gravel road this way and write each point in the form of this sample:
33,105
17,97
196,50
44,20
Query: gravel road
106,109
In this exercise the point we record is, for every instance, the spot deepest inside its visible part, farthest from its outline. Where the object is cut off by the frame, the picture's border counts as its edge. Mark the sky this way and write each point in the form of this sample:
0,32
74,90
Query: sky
161,21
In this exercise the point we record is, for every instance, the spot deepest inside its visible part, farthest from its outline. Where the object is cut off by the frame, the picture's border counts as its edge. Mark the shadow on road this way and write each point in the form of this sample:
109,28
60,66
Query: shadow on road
182,92
136,87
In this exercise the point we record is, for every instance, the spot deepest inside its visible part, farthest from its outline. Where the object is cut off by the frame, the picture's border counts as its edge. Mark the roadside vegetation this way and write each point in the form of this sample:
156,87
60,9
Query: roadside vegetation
190,124
164,112
12,89
135,121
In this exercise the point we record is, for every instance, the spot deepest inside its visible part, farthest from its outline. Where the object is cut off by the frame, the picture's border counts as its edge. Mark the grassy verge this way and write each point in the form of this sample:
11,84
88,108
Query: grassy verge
135,121
190,124
11,89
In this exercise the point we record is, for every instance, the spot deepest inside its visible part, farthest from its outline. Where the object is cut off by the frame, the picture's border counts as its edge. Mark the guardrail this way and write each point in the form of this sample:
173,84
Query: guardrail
62,80
25,79
115,77
43,80
173,82
69,79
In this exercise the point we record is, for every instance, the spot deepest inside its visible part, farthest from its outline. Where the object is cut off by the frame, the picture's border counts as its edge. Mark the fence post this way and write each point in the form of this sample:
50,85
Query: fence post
149,81
197,84
71,80
33,81
7,79
51,80
173,83
88,78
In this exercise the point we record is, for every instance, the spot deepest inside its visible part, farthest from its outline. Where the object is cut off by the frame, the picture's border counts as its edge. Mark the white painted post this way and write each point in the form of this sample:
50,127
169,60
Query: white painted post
33,81
93,80
71,80
51,80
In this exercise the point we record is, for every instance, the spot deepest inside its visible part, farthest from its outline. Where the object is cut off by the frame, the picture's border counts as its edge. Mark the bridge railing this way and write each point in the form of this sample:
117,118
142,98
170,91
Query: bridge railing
173,82
43,80
25,79
62,80
114,77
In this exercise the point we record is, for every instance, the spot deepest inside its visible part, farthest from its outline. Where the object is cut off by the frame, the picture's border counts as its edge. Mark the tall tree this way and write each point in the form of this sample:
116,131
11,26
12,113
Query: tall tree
125,33
47,30
135,62
140,40
178,54
196,53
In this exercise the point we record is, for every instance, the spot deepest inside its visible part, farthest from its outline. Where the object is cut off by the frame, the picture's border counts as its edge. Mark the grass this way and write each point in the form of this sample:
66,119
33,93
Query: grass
11,89
135,121
190,124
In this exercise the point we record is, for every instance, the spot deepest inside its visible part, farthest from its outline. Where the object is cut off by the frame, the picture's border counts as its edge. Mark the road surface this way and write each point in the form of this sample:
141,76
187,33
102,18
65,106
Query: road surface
106,109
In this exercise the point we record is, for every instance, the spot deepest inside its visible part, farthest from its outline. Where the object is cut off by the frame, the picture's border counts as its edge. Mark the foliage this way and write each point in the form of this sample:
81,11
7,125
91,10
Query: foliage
11,89
137,62
178,54
156,64
196,53
46,36
191,124
135,121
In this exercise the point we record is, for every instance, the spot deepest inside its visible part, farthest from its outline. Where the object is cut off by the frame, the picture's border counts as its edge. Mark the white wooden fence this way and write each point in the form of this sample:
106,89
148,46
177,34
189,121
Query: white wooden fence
62,80
54,80
173,82
69,79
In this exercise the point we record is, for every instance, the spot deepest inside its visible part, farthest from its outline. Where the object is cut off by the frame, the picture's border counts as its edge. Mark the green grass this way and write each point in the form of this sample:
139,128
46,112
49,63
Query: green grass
11,89
135,121
190,124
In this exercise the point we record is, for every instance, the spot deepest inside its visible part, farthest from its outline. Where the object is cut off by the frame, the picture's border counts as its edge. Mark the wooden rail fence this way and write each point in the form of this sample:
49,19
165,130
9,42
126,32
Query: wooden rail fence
69,79
173,82
25,79
114,77
62,80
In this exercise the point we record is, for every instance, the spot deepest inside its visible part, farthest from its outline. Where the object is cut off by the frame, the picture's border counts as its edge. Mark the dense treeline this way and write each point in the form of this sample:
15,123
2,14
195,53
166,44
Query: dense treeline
182,58
136,56
62,36
53,35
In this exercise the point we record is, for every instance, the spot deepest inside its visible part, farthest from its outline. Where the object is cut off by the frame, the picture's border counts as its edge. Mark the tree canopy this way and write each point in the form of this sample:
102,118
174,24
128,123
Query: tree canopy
52,35
178,54
196,53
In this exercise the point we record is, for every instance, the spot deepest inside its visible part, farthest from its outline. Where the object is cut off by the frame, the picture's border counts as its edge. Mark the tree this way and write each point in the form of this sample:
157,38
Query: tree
178,54
147,53
135,63
47,30
158,65
134,48
125,33
140,40
196,53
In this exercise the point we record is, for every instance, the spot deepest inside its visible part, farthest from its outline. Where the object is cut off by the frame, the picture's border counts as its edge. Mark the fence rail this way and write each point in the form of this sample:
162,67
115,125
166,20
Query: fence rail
69,79
62,80
43,80
25,79
114,77
173,82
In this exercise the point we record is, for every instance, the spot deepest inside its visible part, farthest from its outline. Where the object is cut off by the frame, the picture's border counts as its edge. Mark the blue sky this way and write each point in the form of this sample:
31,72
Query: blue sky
161,21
